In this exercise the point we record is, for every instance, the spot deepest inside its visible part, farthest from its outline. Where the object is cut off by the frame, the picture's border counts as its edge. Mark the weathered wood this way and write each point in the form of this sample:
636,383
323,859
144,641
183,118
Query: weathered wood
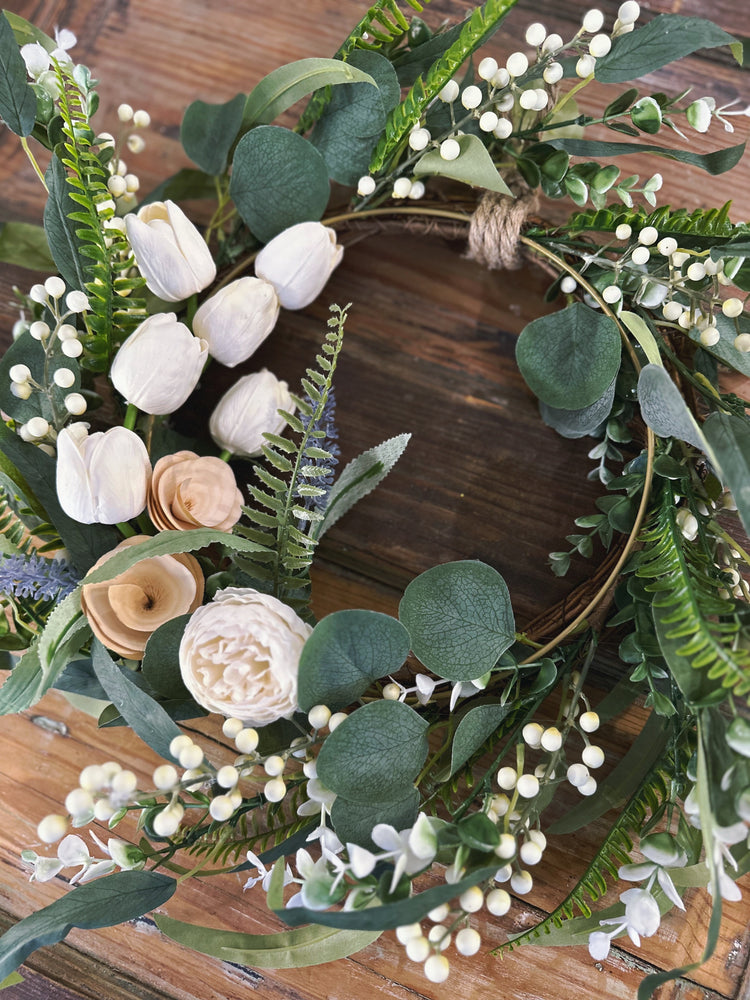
429,350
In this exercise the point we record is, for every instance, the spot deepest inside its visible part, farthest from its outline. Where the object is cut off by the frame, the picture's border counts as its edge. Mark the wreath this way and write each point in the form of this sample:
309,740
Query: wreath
169,578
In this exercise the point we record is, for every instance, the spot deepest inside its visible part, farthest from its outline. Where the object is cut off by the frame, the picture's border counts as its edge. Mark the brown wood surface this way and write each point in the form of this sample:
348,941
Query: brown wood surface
430,350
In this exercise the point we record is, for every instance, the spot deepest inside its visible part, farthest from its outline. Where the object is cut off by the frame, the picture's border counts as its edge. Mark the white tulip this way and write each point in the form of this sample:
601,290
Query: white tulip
159,364
298,262
101,478
247,411
237,319
170,252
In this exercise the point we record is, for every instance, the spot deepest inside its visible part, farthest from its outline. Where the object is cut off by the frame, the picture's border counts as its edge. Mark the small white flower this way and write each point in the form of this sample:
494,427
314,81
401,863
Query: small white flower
264,874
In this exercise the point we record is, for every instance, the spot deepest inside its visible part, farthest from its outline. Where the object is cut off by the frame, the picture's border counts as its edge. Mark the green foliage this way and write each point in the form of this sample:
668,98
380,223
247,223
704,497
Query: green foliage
729,438
284,529
103,903
579,423
208,132
570,358
384,25
717,162
474,166
354,821
17,97
664,39
375,754
664,409
346,652
292,949
652,792
474,32
278,180
25,245
682,579
459,618
116,309
713,223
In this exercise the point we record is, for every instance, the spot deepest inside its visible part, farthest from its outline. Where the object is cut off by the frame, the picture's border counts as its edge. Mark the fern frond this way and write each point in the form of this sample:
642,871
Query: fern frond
682,579
614,851
476,29
700,223
115,311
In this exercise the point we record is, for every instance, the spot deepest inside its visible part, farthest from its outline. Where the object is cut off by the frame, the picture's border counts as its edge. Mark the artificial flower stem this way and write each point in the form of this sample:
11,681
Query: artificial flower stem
34,164
226,455
131,415
127,530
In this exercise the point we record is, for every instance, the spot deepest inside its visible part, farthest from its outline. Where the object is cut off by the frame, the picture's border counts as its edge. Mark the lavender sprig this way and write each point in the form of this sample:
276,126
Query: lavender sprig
34,576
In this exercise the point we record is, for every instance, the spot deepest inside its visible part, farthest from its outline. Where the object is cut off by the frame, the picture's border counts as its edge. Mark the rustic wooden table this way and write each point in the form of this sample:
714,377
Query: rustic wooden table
430,350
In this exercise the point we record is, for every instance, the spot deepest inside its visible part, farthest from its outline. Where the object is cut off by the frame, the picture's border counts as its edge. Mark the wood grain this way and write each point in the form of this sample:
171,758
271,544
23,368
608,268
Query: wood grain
430,348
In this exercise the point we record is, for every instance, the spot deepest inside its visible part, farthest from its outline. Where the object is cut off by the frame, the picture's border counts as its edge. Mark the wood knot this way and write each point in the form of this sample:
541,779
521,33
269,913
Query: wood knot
495,231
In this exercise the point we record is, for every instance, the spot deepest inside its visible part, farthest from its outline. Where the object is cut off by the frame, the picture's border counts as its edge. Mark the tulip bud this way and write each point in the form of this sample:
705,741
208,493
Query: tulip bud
247,411
101,478
159,364
170,252
237,319
298,262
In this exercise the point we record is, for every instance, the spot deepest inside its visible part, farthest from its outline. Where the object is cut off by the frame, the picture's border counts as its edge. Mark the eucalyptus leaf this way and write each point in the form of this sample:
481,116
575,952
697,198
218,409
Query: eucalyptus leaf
716,162
724,348
278,180
664,39
354,821
64,245
390,915
460,619
579,423
112,900
17,97
291,949
479,723
144,715
346,652
360,477
664,409
375,754
12,979
208,132
161,665
348,129
473,166
729,437
288,84
570,358
185,184
25,245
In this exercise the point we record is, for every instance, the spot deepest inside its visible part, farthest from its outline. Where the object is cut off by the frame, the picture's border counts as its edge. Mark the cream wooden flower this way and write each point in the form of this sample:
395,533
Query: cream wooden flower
191,491
239,656
125,611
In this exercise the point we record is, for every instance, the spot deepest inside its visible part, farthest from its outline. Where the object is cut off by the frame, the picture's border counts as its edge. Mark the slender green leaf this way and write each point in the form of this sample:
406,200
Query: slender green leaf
663,40
25,245
716,162
144,715
64,244
103,903
474,729
729,437
17,97
642,333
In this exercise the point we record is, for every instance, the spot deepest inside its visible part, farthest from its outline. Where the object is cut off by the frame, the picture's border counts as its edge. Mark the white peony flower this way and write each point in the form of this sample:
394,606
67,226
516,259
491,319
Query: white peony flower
298,262
239,656
101,477
170,252
247,411
237,319
159,364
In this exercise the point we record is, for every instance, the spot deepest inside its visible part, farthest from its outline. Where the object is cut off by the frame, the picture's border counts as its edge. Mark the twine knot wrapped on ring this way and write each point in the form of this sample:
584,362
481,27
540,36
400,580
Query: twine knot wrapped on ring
496,225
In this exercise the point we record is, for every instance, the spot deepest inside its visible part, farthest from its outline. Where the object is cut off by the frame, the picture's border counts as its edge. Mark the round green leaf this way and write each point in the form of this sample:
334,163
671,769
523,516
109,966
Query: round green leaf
354,821
460,619
278,180
375,754
569,358
346,652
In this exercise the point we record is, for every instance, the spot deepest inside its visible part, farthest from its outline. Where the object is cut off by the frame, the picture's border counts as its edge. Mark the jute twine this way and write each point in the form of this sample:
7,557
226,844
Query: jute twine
495,230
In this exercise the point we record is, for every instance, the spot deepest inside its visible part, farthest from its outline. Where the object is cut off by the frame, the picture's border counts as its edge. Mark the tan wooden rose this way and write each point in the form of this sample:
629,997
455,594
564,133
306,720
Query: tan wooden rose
125,611
191,491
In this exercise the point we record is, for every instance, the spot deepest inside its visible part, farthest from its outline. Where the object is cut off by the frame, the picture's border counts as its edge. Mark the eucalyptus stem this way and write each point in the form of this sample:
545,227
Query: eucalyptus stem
35,165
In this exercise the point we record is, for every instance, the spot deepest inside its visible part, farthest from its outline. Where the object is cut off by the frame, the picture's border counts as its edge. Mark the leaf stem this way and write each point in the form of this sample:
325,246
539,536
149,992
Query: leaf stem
32,160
